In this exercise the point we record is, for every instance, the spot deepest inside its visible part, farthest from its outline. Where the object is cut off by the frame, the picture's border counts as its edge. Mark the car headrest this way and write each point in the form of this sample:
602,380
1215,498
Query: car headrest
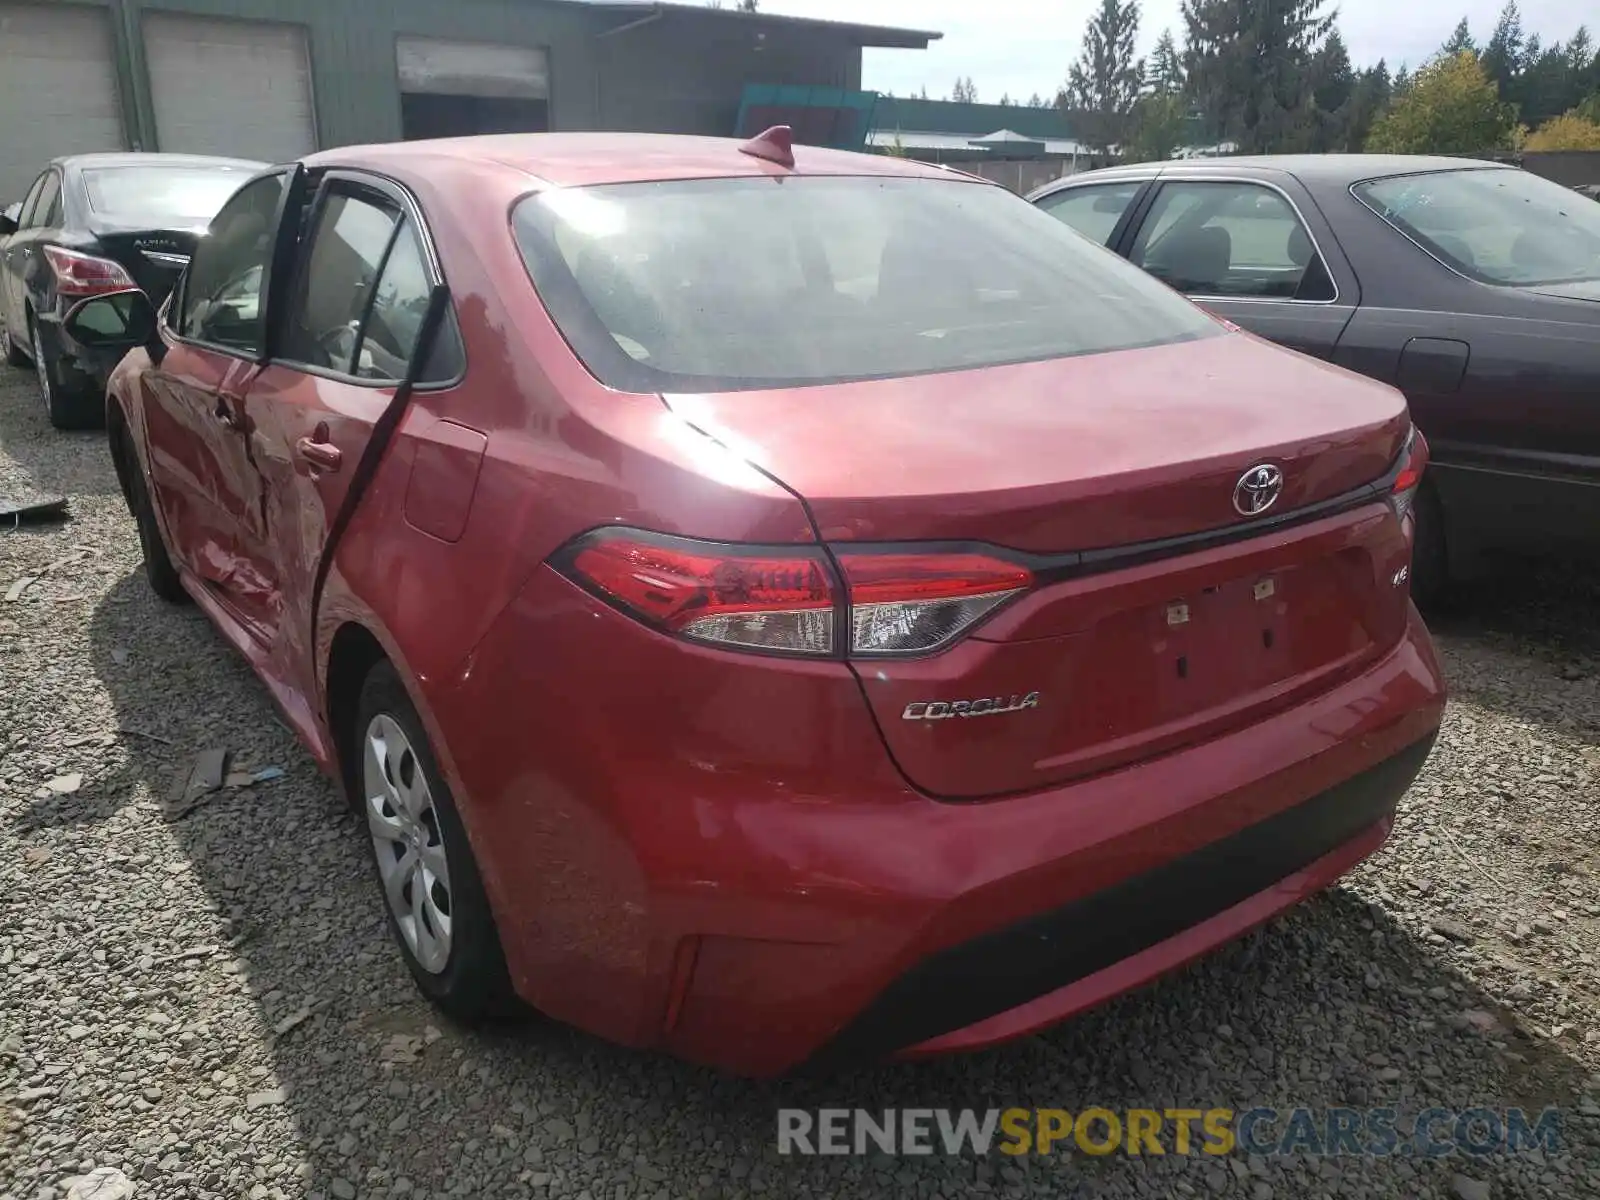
1299,248
1199,259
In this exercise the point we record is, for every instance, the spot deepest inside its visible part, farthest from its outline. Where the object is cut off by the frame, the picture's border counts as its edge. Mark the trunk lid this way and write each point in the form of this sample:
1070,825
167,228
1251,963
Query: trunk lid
1071,454
154,253
1110,657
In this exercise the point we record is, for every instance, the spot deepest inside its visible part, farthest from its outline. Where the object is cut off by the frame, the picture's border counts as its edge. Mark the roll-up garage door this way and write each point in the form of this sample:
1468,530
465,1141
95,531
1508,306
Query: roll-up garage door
58,90
449,88
240,88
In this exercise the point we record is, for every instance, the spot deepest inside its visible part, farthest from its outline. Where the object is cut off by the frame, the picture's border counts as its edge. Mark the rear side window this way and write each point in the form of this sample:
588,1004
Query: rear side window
398,304
1093,209
31,202
47,206
725,284
364,293
347,251
1231,241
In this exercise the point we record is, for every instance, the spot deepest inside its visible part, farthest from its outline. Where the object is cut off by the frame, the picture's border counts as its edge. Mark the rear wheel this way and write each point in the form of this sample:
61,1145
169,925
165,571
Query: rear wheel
158,568
438,911
70,398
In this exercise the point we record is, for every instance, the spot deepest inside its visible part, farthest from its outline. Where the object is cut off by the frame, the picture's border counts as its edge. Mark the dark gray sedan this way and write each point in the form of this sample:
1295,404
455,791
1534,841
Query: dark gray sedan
1472,286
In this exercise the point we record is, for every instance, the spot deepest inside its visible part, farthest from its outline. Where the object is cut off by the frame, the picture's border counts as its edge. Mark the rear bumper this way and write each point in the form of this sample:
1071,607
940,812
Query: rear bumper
1030,974
726,865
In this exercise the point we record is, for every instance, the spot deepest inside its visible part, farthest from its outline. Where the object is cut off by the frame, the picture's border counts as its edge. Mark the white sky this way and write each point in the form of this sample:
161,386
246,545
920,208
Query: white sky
1023,46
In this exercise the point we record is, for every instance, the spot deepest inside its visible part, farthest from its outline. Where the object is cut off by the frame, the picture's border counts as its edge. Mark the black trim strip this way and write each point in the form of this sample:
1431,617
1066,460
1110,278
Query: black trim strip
1000,971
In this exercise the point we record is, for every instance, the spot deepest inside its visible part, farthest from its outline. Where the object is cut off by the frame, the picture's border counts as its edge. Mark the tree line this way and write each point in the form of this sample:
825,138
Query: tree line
1274,76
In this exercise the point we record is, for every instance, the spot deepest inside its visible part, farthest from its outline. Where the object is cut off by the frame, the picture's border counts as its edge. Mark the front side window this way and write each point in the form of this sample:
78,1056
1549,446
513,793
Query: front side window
1497,225
726,284
1231,240
1093,210
223,292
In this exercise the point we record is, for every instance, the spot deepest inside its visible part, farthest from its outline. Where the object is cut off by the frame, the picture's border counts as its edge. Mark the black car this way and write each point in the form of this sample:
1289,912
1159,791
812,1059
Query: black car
96,223
1472,286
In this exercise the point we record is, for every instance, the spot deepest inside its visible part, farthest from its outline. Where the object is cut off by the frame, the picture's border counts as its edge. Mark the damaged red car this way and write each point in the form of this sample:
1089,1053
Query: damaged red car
776,605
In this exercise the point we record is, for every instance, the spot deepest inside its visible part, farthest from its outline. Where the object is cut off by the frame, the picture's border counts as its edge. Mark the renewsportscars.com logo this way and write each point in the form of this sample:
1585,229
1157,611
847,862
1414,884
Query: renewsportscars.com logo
1371,1132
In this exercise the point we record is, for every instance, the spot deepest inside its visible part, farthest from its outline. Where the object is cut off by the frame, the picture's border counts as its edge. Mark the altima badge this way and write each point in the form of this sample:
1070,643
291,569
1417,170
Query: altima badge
1258,489
942,710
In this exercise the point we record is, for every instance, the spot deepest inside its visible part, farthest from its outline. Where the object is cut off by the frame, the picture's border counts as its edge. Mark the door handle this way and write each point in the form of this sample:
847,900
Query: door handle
324,456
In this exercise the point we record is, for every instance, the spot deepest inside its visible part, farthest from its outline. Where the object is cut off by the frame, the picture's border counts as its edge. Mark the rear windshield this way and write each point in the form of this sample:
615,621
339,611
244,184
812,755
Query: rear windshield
192,194
1500,226
722,284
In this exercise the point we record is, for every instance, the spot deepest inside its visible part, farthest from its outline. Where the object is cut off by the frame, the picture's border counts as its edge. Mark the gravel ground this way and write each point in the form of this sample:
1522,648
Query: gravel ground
209,1004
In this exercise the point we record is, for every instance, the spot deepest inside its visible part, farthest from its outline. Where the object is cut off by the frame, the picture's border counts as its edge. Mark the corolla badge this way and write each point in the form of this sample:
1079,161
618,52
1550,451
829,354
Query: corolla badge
1258,489
989,706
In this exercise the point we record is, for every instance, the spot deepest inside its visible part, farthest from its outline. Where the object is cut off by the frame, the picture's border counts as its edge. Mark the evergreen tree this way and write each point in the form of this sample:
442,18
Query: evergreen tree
1104,83
1368,102
1037,101
1546,87
1160,125
965,92
1249,66
1165,73
1460,40
1332,88
1502,56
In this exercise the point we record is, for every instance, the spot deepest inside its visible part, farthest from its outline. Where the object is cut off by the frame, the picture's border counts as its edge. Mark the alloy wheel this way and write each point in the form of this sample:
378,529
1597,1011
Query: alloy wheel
406,840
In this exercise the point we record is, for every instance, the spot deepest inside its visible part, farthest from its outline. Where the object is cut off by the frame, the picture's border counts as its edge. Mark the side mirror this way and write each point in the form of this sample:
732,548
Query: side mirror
113,321
8,223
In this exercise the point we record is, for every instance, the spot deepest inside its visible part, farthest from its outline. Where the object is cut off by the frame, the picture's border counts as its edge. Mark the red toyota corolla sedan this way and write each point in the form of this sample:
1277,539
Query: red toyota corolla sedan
776,606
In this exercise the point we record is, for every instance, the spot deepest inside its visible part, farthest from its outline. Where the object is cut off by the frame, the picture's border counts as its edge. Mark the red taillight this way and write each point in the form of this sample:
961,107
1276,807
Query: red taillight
906,603
80,274
763,599
1413,462
784,600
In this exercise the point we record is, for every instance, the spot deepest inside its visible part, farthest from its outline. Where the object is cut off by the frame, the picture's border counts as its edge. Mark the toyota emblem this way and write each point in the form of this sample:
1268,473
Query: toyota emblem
1257,490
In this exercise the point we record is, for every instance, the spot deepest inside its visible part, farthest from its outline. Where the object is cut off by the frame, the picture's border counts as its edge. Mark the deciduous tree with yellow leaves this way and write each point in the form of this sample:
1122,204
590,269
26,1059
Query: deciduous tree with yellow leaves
1450,107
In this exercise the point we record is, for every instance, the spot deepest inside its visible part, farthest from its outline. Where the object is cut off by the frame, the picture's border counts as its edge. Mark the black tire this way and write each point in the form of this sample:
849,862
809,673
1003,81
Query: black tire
72,399
1430,561
158,568
473,984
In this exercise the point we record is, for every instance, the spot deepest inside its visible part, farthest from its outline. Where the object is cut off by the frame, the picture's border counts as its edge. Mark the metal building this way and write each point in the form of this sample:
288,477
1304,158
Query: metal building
274,79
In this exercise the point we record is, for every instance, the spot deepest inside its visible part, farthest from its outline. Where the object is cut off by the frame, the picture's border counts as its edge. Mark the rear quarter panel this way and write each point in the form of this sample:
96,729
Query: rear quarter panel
1515,435
561,455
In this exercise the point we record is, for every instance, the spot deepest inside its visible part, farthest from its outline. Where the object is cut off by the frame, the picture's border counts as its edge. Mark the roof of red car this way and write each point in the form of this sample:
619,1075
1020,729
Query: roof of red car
569,159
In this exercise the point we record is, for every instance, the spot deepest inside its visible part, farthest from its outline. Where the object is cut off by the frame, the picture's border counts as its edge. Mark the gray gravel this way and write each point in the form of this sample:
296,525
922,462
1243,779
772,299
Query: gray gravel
209,1006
